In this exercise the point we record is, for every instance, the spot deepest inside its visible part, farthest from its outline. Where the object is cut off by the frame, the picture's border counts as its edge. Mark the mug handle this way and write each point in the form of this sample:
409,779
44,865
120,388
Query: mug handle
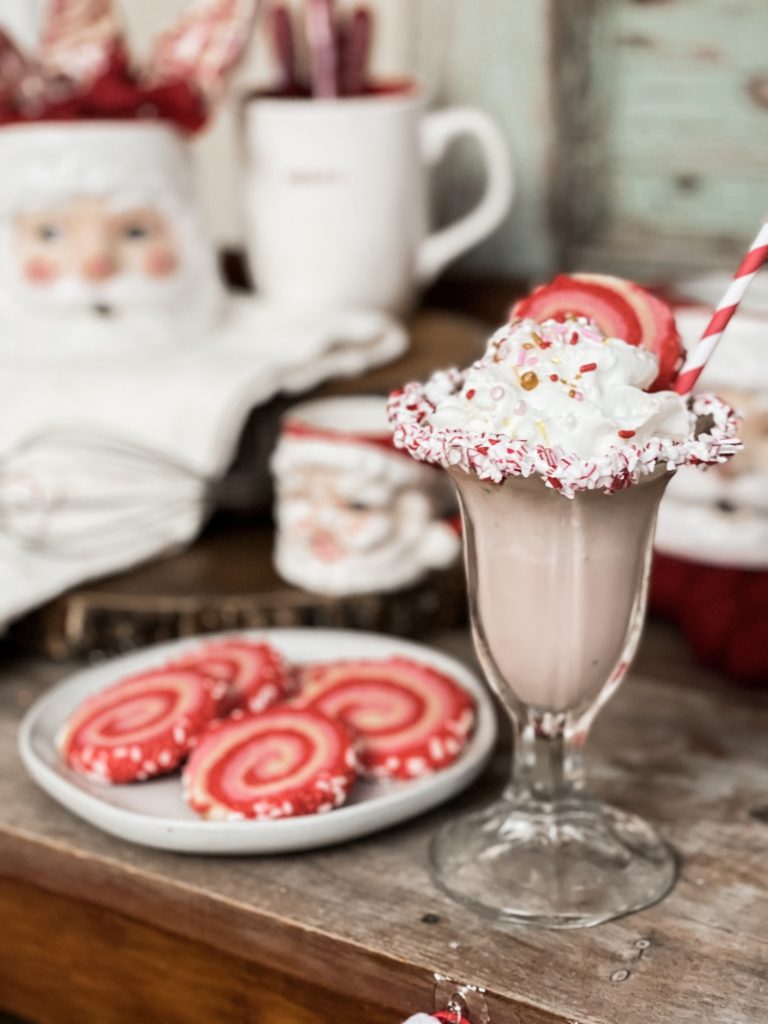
438,130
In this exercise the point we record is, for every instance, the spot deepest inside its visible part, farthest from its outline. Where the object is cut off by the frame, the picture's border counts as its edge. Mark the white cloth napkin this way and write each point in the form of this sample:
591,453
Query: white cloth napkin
187,406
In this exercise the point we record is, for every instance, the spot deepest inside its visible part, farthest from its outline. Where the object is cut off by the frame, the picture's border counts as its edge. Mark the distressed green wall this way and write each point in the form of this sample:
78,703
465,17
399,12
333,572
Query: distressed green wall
496,54
650,115
688,130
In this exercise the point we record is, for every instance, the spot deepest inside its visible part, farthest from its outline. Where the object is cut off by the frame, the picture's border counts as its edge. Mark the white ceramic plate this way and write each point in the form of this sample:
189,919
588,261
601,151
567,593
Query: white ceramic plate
154,814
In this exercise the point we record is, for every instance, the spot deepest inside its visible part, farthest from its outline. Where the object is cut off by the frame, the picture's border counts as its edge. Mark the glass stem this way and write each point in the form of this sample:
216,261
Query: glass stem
548,759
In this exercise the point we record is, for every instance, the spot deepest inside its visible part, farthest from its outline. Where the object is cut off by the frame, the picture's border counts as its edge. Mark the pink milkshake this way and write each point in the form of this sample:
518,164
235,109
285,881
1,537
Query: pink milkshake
560,456
558,586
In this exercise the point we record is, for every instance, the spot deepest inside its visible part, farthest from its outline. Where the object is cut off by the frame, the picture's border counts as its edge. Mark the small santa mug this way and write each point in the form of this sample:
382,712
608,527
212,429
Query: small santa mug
353,514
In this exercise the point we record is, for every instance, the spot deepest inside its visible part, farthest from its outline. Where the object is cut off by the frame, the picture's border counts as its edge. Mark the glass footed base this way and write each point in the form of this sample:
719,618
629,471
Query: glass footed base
569,864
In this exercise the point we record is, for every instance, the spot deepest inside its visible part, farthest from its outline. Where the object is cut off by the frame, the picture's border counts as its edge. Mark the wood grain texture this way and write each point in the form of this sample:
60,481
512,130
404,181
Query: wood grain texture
676,745
106,968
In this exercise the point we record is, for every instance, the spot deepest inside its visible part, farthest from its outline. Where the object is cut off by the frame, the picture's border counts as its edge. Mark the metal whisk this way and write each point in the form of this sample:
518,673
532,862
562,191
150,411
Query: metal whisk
74,492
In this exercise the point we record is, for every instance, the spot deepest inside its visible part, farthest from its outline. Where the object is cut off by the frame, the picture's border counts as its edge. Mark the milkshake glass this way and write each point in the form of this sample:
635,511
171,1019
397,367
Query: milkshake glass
557,592
558,553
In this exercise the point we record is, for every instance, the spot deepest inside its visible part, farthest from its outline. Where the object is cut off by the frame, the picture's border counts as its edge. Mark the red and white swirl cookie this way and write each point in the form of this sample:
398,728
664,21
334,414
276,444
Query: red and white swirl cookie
410,719
141,727
255,673
278,764
620,308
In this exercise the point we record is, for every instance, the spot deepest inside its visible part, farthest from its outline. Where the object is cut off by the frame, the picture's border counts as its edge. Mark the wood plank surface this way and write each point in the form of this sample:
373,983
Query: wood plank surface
363,922
107,968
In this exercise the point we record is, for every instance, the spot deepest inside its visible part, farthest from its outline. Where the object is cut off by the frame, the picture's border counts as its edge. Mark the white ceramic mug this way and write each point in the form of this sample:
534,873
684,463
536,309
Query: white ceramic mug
337,196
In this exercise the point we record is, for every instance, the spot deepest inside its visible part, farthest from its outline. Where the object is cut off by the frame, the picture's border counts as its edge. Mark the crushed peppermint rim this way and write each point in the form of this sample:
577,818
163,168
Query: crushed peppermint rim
494,457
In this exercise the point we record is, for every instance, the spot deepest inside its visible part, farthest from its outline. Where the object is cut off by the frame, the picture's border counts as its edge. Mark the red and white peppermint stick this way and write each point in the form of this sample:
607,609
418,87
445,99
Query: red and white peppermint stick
323,50
79,38
205,46
699,356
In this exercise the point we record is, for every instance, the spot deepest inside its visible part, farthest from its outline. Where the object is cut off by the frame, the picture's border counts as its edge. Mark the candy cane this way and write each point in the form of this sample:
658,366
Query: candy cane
79,38
205,46
700,354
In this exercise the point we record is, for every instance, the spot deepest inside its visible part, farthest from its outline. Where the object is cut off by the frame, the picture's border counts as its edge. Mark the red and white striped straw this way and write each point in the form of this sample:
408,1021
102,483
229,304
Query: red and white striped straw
699,355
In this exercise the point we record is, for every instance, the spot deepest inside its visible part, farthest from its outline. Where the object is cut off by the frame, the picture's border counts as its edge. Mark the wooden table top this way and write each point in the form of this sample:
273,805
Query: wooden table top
676,744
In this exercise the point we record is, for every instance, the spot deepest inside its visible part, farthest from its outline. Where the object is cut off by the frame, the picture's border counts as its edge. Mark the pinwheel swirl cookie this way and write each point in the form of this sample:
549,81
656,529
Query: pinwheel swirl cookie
256,674
226,712
142,726
410,720
281,763
621,309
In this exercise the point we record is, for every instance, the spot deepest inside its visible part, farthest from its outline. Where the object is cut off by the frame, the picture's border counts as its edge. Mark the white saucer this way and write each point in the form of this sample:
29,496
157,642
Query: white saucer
154,814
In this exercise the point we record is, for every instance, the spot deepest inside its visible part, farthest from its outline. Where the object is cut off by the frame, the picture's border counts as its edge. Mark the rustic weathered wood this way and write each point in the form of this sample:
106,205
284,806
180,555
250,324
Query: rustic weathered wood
677,745
497,56
142,973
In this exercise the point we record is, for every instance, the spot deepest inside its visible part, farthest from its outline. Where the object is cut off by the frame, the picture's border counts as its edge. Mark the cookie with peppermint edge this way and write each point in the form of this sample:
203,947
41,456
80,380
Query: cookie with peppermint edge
409,718
620,308
281,763
140,727
255,673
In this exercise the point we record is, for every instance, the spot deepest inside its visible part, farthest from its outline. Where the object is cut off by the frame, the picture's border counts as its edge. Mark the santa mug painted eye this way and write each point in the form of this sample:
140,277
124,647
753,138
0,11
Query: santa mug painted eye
354,515
101,242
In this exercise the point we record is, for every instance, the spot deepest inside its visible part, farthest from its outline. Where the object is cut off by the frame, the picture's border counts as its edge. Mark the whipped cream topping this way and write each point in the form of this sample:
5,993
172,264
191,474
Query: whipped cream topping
460,420
564,386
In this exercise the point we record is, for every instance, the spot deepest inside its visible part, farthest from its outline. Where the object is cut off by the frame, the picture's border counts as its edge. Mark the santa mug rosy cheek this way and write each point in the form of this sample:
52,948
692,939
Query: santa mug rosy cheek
87,238
354,515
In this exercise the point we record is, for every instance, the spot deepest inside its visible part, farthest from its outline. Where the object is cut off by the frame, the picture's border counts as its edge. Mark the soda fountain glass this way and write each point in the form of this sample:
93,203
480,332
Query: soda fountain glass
557,594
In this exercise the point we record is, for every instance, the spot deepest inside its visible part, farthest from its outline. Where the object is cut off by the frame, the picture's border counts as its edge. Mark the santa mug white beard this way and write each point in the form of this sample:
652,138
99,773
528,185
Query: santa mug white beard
353,515
338,196
101,246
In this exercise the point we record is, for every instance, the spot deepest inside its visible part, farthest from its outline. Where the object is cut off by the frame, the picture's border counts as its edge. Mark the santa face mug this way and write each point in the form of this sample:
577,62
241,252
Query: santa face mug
353,514
337,196
101,246
721,517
